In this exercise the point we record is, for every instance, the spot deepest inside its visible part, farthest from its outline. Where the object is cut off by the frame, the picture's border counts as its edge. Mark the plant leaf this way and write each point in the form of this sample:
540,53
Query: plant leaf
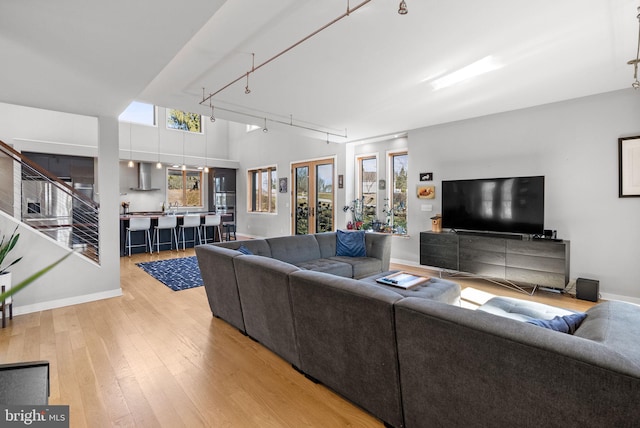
22,284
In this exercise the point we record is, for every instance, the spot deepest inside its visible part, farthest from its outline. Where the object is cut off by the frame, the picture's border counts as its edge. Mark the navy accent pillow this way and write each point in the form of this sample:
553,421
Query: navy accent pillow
244,250
350,244
565,324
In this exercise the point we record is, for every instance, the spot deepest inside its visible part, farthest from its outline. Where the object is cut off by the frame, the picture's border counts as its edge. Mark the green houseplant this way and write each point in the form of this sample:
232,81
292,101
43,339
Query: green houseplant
6,245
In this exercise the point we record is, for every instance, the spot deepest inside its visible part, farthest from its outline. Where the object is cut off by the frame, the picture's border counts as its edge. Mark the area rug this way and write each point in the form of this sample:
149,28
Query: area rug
177,274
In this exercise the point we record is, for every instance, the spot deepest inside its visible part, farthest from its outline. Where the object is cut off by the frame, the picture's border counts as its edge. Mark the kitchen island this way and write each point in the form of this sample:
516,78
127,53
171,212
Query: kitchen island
138,238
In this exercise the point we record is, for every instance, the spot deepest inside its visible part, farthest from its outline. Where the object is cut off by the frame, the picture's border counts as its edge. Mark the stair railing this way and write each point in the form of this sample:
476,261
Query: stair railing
48,203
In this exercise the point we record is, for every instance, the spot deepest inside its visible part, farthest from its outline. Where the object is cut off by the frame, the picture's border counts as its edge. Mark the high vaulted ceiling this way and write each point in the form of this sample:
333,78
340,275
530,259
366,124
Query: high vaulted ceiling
370,73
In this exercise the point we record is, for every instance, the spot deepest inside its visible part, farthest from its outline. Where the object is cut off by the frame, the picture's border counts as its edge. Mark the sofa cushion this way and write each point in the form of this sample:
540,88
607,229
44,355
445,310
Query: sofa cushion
361,266
294,249
333,267
522,310
350,244
245,250
327,243
564,324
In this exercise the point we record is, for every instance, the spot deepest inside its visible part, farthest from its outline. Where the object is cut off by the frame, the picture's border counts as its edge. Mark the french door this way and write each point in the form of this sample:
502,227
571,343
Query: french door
312,197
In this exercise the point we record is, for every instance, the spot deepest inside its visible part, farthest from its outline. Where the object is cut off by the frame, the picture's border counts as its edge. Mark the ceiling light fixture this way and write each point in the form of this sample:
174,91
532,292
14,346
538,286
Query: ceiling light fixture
265,126
184,166
206,145
276,56
482,66
246,88
159,164
634,62
402,8
130,164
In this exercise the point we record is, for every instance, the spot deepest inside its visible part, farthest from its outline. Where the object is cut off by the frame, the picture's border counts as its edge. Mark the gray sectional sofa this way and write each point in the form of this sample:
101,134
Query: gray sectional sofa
417,362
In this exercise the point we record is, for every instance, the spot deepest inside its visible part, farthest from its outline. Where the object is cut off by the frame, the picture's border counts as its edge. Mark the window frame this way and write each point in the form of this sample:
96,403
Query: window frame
391,155
171,128
360,181
184,173
255,190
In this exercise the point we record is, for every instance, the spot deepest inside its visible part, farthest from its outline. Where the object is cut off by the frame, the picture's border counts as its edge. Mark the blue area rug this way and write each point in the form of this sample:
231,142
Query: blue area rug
177,274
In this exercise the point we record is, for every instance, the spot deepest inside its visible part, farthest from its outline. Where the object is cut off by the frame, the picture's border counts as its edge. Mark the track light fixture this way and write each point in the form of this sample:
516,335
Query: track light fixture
402,8
265,126
246,88
212,118
634,62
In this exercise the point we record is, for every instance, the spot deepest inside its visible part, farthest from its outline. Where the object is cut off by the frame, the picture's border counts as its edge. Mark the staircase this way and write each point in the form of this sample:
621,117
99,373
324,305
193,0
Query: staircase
48,204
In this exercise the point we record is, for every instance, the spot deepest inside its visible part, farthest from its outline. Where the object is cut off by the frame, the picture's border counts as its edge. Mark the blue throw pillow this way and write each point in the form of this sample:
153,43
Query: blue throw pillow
565,324
350,244
244,250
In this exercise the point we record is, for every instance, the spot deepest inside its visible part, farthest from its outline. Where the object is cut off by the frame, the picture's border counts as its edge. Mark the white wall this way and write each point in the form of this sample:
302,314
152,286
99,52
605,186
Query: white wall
77,279
574,144
280,148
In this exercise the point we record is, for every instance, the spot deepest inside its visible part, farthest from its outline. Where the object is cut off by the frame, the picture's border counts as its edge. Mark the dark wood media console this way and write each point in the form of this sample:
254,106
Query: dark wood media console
536,262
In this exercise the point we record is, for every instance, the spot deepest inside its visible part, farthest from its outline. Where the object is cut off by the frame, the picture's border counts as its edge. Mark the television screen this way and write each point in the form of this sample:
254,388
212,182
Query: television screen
511,205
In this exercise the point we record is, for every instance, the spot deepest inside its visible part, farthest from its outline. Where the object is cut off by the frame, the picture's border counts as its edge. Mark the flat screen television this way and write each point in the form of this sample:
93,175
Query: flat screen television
506,205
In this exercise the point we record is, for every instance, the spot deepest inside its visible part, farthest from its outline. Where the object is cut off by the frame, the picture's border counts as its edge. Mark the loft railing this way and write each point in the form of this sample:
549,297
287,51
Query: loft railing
57,208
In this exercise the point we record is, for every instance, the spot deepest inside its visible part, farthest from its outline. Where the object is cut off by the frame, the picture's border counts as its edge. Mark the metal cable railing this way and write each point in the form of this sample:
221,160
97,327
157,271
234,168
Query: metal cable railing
48,204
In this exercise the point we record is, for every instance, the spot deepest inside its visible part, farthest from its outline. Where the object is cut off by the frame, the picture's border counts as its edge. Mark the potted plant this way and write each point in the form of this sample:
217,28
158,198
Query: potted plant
5,249
7,290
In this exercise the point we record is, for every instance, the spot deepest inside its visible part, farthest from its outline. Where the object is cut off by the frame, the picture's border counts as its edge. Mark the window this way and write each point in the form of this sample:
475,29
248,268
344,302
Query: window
138,112
263,187
368,188
184,187
396,203
185,121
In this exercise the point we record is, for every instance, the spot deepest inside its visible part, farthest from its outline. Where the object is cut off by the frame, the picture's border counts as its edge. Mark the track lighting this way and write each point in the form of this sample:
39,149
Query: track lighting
265,126
246,88
402,8
212,118
634,62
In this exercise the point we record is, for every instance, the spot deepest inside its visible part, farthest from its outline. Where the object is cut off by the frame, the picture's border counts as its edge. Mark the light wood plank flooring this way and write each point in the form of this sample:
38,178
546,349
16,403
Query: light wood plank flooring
157,358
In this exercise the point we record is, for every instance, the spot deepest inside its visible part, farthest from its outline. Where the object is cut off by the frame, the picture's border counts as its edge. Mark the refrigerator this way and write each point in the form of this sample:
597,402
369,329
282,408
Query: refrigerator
48,208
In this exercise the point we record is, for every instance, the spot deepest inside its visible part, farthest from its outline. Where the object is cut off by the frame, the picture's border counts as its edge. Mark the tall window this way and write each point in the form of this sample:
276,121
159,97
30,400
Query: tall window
368,188
263,189
396,204
185,121
184,187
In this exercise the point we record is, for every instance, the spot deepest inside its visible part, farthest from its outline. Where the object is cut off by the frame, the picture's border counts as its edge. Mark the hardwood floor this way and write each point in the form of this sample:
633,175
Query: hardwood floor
157,358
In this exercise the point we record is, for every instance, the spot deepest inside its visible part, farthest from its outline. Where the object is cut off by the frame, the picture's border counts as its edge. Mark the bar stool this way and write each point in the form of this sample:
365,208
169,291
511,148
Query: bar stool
229,227
166,222
212,220
139,224
6,304
191,221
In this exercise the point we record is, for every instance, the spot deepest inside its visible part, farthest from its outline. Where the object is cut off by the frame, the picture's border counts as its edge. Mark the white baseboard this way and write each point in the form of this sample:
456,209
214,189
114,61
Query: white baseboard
60,303
609,296
407,263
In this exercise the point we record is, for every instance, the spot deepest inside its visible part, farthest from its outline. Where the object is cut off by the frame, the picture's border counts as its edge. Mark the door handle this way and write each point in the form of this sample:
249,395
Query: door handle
312,213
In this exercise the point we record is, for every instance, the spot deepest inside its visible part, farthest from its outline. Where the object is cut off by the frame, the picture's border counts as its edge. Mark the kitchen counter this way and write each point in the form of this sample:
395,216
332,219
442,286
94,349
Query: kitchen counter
137,238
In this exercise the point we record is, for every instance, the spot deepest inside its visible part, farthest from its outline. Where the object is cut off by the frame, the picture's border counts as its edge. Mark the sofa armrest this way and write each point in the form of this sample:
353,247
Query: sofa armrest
462,367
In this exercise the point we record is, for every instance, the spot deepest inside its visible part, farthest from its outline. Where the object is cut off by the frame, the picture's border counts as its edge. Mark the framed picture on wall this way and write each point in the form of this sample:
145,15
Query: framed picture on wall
282,185
426,192
629,167
426,176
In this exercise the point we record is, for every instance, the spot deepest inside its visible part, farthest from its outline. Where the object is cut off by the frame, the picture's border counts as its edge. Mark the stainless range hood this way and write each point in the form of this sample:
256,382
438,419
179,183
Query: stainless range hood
144,177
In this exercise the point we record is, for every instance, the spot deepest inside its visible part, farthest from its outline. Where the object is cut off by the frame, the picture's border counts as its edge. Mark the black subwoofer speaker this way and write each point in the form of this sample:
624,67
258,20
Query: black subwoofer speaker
587,289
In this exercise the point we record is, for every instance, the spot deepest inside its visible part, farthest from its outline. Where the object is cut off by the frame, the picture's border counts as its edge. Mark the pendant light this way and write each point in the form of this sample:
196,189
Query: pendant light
184,166
159,164
130,164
